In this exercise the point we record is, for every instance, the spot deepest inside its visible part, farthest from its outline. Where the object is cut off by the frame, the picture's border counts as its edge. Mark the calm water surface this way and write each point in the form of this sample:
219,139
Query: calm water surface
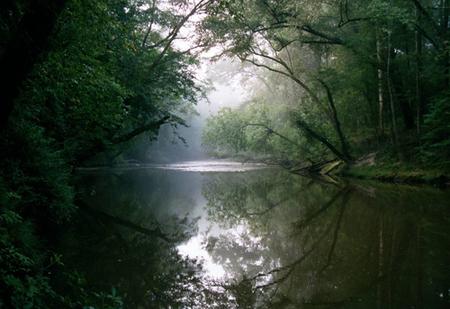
220,234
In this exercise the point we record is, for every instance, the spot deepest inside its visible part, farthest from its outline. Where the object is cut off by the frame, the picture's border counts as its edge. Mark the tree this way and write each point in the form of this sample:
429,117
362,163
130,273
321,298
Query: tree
77,79
267,35
367,67
24,47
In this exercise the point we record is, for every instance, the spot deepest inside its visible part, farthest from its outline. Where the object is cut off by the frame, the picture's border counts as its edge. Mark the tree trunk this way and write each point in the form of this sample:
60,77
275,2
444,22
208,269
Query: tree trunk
403,97
380,85
288,72
335,120
418,77
444,29
391,94
323,140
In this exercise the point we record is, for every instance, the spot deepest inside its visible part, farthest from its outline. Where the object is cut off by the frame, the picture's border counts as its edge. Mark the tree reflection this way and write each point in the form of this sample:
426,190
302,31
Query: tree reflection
300,243
285,242
122,247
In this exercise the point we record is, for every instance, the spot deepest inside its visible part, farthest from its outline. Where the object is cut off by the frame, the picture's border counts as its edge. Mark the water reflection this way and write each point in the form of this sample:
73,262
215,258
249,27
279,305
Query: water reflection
268,239
356,246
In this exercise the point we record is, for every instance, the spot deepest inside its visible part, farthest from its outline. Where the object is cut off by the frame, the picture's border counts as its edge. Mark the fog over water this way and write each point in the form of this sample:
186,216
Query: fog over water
224,78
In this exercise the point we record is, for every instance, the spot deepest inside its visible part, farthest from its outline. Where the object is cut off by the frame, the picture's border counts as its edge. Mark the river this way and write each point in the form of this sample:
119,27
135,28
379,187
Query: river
219,234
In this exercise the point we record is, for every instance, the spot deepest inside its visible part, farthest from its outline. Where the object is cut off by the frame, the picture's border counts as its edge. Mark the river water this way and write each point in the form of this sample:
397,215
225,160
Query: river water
219,234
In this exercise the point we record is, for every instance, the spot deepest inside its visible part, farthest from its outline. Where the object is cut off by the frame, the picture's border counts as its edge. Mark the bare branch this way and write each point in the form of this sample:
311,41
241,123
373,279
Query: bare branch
344,15
328,38
173,34
424,12
149,29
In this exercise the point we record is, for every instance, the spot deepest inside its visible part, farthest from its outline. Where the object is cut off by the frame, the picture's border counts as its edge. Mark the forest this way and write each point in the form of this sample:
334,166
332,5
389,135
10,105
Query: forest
344,80
351,89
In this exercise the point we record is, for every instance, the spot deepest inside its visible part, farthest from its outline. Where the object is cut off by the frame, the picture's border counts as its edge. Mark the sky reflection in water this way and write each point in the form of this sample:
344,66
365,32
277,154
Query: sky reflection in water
358,245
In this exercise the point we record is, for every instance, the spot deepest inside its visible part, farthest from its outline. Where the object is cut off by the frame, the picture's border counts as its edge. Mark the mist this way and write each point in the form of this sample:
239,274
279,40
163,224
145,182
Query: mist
184,143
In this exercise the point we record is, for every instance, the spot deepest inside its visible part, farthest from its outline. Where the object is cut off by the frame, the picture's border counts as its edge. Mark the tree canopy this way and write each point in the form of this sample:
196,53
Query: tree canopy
82,80
354,76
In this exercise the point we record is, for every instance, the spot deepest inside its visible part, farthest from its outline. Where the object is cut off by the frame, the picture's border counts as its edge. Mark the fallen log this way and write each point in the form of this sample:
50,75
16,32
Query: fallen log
320,168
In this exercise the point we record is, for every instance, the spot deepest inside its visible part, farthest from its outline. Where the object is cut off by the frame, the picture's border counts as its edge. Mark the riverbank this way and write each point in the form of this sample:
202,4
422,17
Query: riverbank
398,173
368,167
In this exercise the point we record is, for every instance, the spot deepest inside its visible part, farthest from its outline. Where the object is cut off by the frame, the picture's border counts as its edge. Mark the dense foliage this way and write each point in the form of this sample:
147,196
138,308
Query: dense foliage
102,73
350,77
81,80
